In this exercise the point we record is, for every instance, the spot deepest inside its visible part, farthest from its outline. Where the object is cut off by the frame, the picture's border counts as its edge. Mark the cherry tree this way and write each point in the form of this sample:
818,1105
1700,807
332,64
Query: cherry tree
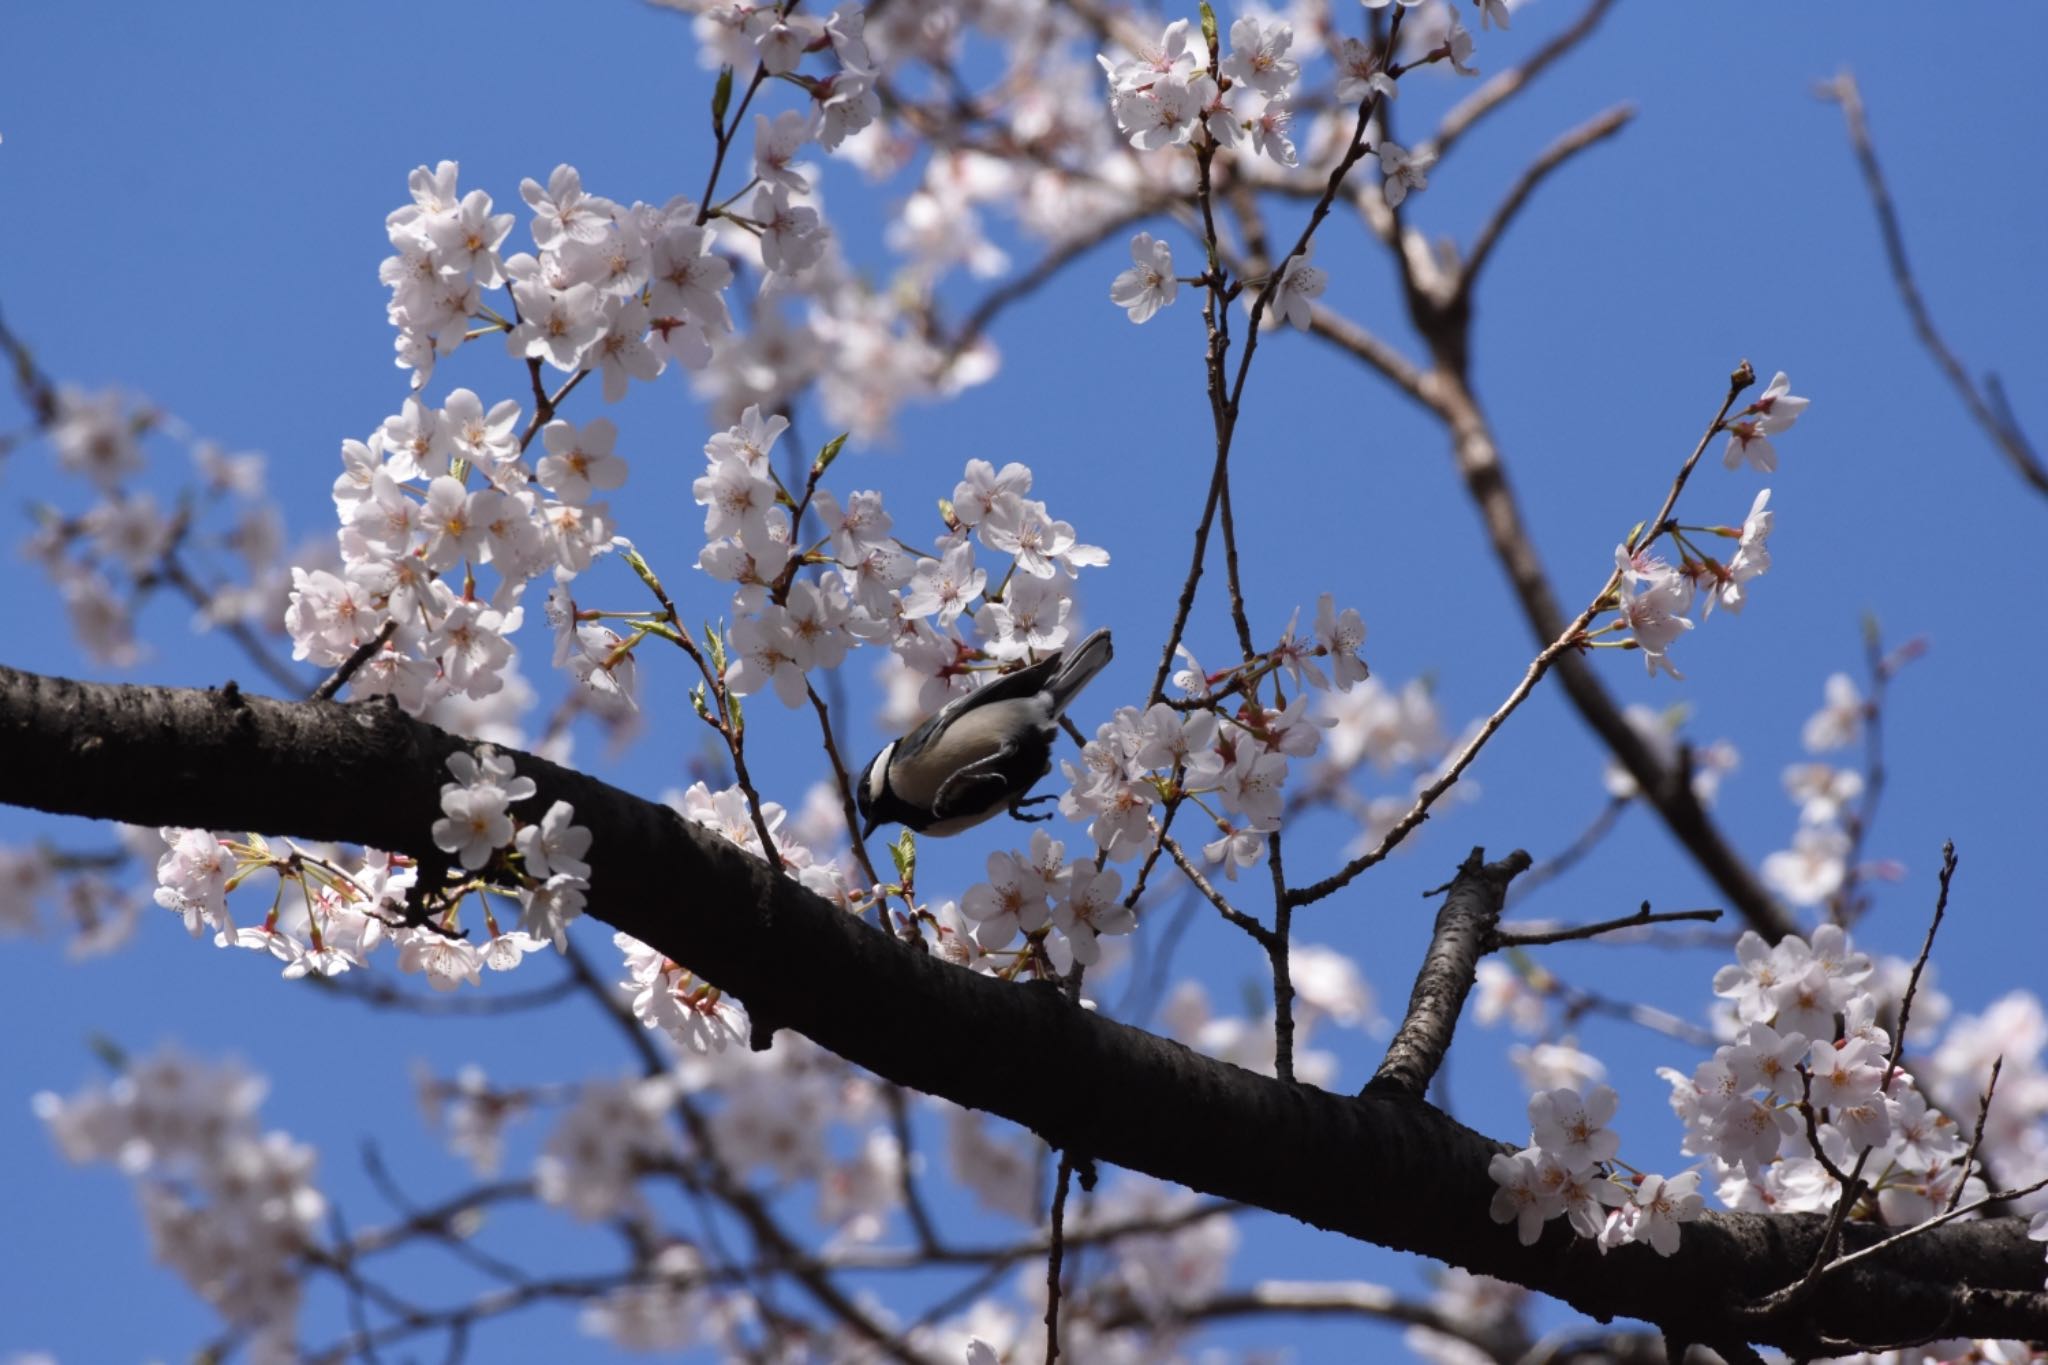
836,1044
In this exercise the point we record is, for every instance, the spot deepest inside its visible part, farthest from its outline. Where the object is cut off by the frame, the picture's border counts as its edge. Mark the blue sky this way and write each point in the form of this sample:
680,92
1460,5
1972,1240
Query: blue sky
197,215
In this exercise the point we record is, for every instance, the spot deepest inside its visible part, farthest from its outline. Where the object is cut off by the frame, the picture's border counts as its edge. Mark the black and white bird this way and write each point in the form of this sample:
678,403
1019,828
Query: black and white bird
979,754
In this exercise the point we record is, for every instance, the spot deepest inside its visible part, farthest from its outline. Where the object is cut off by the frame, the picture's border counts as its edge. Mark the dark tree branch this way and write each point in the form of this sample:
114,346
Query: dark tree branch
1464,930
1390,1170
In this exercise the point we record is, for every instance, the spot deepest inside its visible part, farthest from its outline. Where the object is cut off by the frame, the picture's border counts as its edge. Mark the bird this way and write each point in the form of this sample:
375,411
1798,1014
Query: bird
978,754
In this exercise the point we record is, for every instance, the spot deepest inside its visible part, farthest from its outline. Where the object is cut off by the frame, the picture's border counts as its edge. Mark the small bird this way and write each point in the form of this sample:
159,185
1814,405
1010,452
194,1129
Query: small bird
981,753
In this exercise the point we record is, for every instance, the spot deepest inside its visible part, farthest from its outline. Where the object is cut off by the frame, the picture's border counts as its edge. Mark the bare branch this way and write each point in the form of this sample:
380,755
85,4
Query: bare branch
1463,928
1512,939
1991,413
1595,130
1498,90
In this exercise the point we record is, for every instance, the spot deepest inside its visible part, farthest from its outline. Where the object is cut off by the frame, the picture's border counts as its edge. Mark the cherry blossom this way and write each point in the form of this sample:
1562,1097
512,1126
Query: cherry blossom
1149,284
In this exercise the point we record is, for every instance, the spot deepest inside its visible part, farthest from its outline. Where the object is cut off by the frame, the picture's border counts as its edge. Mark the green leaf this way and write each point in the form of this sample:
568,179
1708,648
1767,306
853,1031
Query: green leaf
903,853
721,96
828,455
1209,25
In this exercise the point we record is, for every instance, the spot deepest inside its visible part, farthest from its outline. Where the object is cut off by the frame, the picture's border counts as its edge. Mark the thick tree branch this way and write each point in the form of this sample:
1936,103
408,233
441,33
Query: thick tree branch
1394,1171
1464,930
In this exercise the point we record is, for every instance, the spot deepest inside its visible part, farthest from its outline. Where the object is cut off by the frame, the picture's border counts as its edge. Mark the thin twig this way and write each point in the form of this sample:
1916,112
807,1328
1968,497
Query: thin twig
1948,872
1996,422
1540,665
847,806
1955,1196
1948,1216
1503,938
1595,130
1258,931
1496,91
1562,862
360,656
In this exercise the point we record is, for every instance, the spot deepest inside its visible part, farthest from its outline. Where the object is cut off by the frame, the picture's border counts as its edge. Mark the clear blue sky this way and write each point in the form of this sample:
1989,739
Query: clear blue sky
196,200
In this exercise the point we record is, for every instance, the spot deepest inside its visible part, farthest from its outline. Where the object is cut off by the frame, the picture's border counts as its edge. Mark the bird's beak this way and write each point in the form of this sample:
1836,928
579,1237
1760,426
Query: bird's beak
867,828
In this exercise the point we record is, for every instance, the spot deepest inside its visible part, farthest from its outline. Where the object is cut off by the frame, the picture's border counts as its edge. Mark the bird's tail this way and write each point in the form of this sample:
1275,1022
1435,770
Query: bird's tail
1082,663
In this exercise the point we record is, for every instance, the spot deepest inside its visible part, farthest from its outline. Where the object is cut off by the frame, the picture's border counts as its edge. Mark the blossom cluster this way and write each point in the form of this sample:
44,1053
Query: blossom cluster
437,493
1163,93
1806,1086
231,1209
1568,1169
346,907
1652,595
1239,756
104,560
1816,868
871,589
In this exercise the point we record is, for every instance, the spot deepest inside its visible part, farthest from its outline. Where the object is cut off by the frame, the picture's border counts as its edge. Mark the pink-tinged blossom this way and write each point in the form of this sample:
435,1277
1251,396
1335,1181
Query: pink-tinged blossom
1844,1074
1662,1204
1574,1130
447,963
764,655
1091,908
1301,284
1170,56
1759,969
1402,171
1258,56
946,586
982,488
488,440
1041,545
1747,441
776,144
1271,130
556,844
563,212
470,643
623,351
415,442
1813,869
1149,285
192,878
685,279
1013,899
556,325
780,39
1767,1059
580,460
665,996
1252,786
1341,635
1752,556
546,911
861,524
792,236
1650,604
1163,113
467,238
1524,1197
1031,617
1359,74
1778,408
1822,792
1839,721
